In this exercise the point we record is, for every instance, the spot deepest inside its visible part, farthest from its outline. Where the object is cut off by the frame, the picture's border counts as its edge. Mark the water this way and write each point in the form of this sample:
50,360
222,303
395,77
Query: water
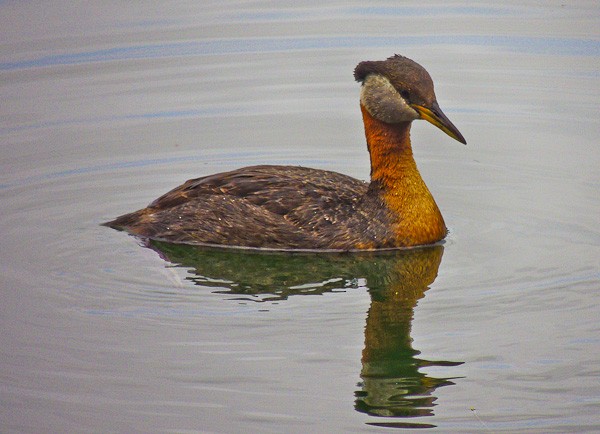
105,108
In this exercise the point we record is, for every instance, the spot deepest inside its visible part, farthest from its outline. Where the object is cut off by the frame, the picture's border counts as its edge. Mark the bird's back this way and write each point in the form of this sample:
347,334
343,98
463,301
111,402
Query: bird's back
278,207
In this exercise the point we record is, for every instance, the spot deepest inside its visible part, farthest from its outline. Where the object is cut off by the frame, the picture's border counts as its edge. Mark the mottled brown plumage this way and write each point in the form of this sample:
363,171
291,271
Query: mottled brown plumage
287,207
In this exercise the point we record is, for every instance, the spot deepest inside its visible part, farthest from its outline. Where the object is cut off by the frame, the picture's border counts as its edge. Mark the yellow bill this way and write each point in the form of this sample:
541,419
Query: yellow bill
435,116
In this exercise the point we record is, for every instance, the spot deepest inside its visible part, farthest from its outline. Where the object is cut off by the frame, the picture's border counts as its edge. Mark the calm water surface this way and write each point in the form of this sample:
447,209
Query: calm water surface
105,107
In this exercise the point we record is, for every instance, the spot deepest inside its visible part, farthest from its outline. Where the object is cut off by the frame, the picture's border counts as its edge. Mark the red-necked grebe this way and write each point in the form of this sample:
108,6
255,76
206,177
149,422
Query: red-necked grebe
288,207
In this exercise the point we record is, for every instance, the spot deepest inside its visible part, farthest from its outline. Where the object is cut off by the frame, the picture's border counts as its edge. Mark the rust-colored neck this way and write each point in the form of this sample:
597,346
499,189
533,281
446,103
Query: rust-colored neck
396,179
389,149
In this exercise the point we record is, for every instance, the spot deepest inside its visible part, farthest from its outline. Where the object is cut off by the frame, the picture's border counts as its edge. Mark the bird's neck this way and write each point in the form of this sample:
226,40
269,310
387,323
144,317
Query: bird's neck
396,179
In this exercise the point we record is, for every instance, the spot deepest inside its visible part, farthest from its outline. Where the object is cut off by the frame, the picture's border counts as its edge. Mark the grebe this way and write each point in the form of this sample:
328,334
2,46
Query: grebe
289,207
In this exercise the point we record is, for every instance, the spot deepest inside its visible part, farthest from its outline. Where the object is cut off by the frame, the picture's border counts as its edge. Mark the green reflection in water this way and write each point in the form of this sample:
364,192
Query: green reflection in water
392,382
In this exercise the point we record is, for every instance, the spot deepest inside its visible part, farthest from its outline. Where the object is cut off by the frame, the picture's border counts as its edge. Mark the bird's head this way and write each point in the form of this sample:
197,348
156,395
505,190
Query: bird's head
400,90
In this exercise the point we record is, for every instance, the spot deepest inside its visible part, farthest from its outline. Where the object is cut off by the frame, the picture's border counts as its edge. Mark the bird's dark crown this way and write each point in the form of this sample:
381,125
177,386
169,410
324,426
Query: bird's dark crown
409,78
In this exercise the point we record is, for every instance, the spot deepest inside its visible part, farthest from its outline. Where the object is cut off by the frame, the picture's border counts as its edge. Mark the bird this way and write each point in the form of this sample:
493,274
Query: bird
280,207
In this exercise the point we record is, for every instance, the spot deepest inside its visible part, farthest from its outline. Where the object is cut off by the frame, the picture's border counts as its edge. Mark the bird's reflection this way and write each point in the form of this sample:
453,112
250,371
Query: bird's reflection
392,383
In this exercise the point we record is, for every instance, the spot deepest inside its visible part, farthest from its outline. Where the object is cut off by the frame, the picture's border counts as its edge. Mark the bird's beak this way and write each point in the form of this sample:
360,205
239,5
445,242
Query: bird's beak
434,115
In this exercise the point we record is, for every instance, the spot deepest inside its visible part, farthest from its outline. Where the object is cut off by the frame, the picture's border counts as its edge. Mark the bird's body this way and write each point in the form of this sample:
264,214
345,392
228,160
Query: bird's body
287,207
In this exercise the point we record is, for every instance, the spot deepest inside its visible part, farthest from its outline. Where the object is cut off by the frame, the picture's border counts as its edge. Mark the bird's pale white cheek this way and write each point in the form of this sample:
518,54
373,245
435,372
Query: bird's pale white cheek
383,102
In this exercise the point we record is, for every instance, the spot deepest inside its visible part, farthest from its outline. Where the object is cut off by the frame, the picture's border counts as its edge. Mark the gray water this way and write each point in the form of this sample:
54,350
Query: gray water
105,106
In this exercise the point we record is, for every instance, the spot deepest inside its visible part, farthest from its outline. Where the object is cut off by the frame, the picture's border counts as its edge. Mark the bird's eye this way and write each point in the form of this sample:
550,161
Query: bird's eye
405,94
